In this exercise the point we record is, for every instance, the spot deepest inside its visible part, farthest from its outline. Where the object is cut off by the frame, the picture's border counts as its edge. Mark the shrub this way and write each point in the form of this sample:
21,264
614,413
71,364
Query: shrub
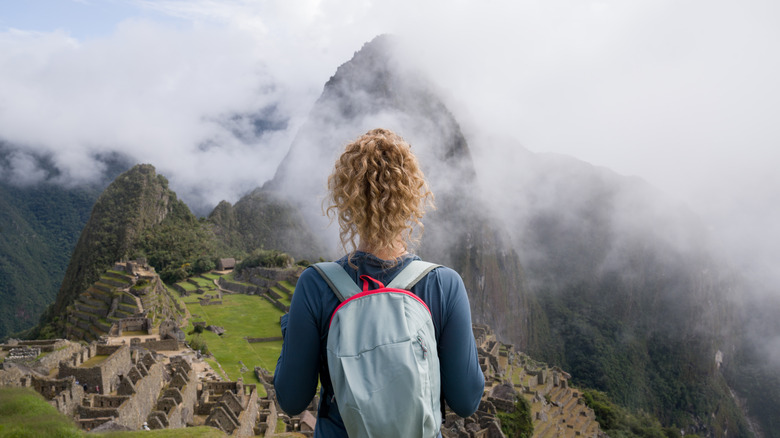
267,259
517,424
198,343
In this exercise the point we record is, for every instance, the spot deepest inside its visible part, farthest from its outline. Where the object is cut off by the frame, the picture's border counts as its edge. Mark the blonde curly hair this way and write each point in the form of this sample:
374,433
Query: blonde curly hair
379,194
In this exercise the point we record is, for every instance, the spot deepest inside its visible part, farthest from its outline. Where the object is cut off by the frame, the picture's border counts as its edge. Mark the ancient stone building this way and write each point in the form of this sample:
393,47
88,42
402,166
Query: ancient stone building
230,406
97,367
176,404
133,399
64,394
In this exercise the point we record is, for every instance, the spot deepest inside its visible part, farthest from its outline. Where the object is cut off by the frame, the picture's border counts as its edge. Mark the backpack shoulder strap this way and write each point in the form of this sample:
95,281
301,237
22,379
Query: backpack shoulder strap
411,274
338,279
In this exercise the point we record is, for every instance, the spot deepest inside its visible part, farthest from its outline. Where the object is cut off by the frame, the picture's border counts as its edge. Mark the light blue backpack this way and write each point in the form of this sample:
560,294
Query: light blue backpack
382,355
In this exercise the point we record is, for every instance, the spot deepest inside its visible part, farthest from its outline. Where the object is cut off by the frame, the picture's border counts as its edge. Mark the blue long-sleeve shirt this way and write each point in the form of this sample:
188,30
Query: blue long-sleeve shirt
305,331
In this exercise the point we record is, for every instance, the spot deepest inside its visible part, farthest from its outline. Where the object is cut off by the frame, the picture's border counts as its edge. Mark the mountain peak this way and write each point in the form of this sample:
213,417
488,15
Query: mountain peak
136,200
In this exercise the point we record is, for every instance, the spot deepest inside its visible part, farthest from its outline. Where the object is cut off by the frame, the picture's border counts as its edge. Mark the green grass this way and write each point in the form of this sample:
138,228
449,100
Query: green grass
210,276
203,283
240,315
285,297
197,432
287,285
187,286
25,413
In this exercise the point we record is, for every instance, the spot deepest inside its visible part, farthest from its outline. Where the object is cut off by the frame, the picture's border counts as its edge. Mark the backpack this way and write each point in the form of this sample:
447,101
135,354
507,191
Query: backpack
382,355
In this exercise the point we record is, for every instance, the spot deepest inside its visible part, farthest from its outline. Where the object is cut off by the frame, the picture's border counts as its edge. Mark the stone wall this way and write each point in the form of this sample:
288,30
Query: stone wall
63,394
103,377
134,324
135,411
184,292
235,413
248,416
45,345
157,344
136,396
178,399
275,274
237,287
258,340
266,418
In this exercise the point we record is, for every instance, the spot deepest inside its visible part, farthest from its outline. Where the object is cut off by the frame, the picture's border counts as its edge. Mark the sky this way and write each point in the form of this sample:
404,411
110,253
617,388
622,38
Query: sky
683,94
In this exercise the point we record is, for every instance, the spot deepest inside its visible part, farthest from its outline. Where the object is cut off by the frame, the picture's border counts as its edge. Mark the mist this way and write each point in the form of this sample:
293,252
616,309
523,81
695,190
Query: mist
681,95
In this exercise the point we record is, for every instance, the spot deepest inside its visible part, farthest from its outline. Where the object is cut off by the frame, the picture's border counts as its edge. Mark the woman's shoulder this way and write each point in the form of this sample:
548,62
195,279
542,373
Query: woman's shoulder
310,281
447,273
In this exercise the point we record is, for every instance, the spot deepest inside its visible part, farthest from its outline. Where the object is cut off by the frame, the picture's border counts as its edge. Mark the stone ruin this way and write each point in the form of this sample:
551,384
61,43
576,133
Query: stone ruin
169,329
176,404
231,406
131,324
64,394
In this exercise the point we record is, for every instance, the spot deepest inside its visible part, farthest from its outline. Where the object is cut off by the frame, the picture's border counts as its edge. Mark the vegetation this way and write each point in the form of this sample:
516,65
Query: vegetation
25,413
618,422
266,259
194,432
179,247
39,227
197,342
262,220
240,316
517,424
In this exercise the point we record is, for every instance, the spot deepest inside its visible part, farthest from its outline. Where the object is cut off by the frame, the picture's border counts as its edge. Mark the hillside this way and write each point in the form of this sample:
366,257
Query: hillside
264,220
137,215
39,227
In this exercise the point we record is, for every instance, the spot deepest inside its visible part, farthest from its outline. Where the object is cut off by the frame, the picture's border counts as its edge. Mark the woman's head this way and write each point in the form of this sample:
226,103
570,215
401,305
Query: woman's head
378,193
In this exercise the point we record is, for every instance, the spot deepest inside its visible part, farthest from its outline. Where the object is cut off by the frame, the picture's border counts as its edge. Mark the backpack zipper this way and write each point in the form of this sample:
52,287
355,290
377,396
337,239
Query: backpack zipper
424,350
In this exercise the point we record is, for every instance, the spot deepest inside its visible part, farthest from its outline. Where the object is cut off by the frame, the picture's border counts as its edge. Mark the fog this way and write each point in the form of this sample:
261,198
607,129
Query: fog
682,95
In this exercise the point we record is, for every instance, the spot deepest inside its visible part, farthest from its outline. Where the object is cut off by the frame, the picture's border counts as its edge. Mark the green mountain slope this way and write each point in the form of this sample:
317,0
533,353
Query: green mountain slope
39,227
262,219
137,215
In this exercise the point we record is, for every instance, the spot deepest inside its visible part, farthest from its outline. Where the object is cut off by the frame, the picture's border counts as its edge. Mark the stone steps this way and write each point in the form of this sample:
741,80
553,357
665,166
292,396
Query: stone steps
103,326
103,287
128,298
75,331
100,295
115,283
127,309
126,278
571,404
78,315
580,422
84,308
87,299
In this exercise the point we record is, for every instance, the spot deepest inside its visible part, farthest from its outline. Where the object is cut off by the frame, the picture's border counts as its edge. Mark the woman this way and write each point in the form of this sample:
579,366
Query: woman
379,195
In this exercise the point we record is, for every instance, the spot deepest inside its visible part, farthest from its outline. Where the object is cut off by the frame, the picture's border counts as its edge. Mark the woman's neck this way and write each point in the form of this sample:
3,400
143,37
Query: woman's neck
385,253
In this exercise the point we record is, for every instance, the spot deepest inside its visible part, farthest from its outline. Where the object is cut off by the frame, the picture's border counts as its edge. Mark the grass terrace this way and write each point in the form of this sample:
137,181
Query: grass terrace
240,315
287,285
285,296
210,276
187,286
203,283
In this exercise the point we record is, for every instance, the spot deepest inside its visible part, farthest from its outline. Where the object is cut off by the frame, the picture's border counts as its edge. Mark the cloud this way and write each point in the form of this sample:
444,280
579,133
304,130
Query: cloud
681,94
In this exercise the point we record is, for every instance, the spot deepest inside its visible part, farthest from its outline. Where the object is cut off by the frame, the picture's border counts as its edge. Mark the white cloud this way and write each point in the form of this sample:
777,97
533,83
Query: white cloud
677,93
